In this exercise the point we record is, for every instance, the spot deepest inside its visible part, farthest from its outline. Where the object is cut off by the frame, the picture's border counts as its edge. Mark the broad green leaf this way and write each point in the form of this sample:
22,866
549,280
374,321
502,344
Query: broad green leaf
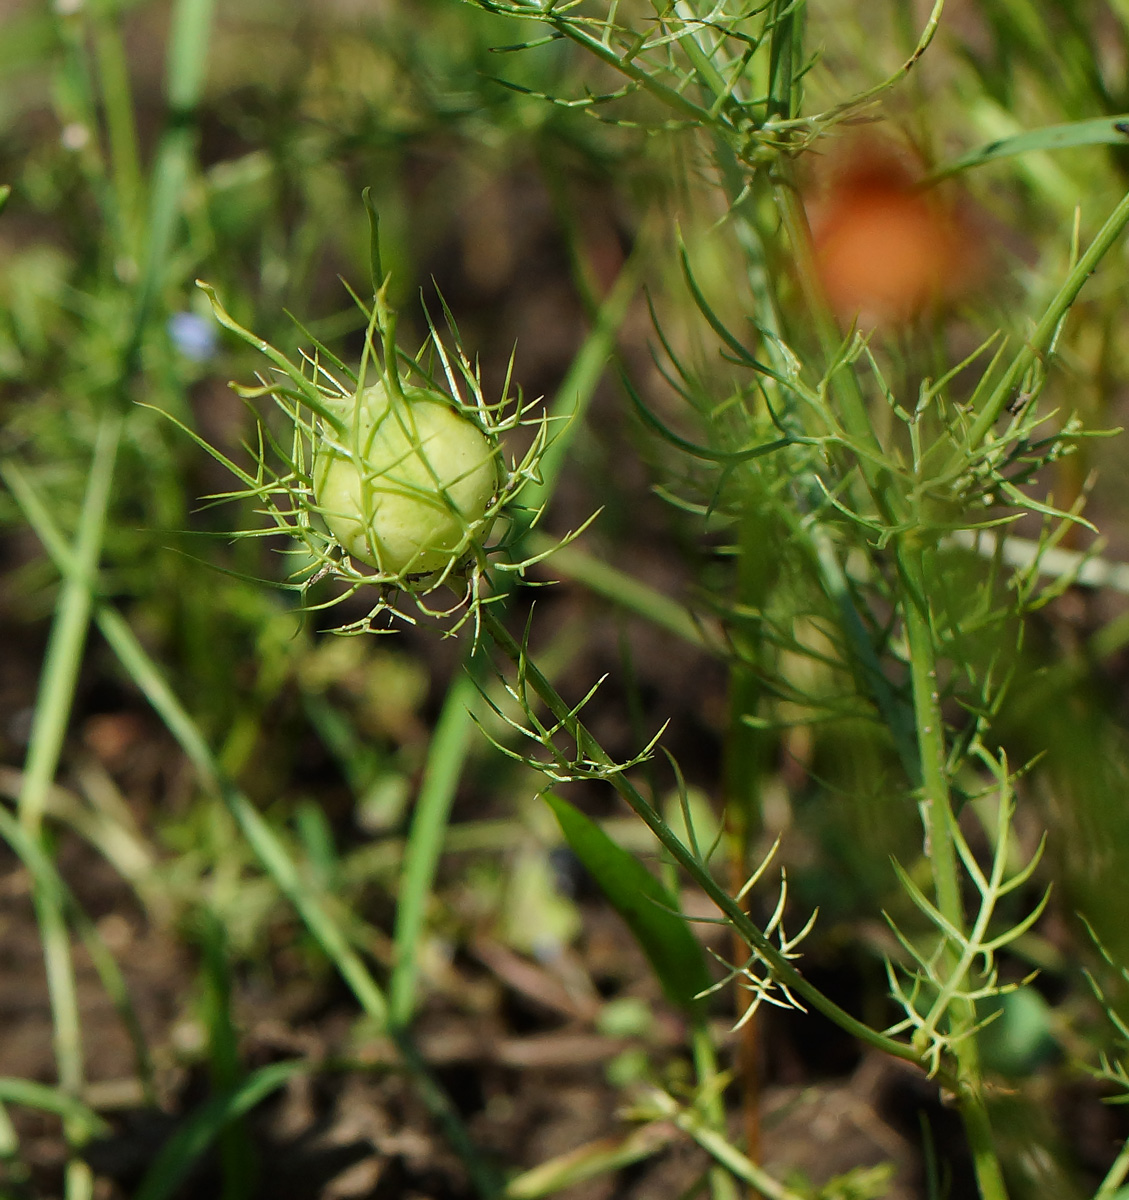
1104,131
650,911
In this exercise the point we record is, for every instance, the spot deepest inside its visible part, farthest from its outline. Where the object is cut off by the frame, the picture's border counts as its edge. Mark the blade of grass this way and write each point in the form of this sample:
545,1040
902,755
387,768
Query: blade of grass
236,1150
50,883
186,66
9,1138
588,1162
267,846
625,590
53,705
208,1122
48,1099
117,103
446,756
68,632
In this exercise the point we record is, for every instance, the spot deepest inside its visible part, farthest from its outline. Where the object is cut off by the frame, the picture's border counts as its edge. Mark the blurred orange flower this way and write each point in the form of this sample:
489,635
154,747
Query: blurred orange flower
886,248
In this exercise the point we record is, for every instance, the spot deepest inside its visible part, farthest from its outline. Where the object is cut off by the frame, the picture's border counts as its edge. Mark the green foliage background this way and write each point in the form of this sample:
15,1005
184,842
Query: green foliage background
264,769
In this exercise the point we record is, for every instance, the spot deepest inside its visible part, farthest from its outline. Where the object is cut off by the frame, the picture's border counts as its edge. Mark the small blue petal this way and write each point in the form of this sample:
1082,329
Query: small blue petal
193,335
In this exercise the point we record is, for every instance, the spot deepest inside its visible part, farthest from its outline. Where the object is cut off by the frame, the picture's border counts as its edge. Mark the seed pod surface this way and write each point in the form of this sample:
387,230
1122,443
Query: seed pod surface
399,488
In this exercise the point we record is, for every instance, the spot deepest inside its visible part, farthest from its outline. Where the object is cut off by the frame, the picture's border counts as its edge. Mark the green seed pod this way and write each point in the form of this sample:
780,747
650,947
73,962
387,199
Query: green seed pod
407,485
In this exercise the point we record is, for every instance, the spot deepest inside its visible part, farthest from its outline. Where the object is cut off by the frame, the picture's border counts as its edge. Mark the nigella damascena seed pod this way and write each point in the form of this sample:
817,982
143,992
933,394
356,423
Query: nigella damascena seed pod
407,485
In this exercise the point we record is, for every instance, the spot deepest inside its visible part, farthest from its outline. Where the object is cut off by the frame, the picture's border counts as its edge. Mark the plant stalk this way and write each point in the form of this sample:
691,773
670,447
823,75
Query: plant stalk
938,820
1045,331
931,773
781,968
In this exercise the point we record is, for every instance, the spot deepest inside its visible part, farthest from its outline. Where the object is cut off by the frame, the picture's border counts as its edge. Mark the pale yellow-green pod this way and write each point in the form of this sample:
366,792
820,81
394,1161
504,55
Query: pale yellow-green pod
407,484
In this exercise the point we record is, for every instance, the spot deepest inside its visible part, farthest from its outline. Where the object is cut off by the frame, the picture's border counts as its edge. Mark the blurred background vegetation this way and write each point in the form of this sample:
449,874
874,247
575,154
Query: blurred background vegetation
240,158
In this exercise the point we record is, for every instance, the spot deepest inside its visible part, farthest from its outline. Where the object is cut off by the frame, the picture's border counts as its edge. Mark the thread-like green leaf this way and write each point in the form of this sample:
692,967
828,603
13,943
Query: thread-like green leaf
650,911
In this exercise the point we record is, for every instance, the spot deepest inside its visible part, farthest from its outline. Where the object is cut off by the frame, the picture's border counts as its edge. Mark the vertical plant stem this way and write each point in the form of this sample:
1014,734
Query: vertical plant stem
75,106
705,1065
67,640
743,774
52,713
938,818
931,768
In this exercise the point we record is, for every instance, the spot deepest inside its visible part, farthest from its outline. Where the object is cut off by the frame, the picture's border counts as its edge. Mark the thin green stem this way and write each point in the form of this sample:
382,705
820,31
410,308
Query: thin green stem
76,108
236,1151
719,1147
42,869
713,1105
683,856
938,819
674,100
782,17
936,800
1044,332
66,1028
1115,1176
186,64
